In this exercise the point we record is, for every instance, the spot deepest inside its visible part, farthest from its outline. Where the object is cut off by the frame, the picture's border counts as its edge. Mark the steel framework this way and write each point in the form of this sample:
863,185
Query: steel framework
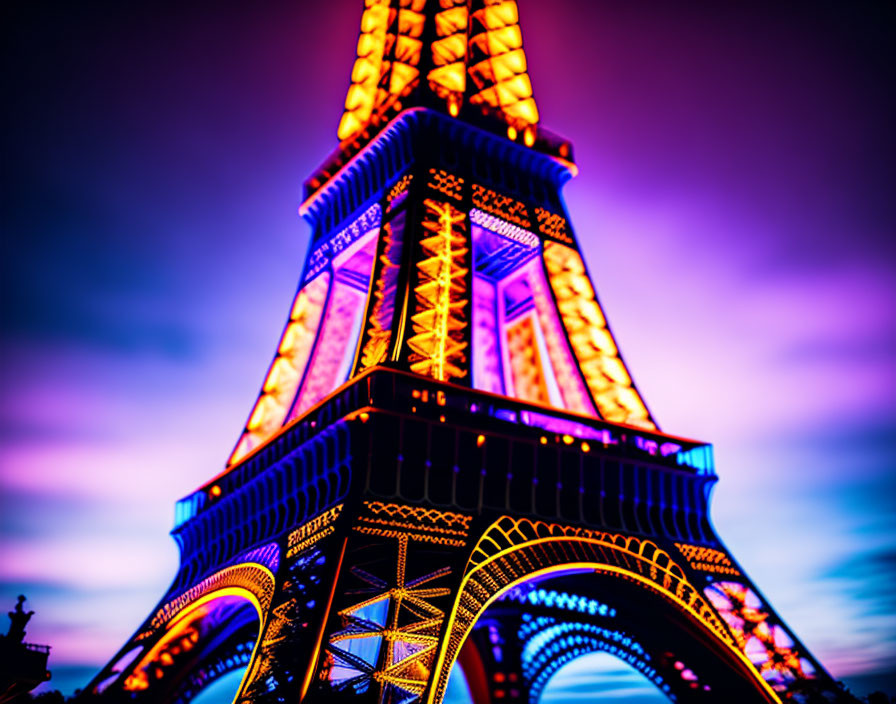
449,462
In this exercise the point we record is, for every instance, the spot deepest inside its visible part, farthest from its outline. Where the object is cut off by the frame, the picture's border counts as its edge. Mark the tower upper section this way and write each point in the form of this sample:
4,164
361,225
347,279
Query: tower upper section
456,54
440,244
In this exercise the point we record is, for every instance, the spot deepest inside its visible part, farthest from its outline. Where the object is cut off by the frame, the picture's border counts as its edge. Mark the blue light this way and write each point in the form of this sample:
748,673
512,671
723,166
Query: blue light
561,600
699,458
549,644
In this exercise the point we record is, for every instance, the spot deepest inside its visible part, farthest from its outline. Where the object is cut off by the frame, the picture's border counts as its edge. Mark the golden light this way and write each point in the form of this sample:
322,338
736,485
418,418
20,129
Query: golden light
388,57
438,342
592,343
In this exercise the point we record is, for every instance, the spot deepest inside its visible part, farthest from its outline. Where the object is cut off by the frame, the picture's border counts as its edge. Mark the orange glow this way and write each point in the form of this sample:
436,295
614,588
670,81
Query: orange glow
529,136
379,329
480,441
553,225
504,558
390,46
605,374
215,491
282,380
359,102
182,634
438,342
501,205
448,78
501,78
446,183
526,372
704,559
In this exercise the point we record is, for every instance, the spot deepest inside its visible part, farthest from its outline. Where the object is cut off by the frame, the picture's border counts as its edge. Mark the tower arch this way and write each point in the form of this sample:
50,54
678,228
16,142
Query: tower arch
195,637
514,551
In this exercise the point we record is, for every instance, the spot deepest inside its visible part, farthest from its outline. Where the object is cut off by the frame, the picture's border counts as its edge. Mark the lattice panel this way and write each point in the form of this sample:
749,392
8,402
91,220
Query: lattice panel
448,78
512,550
497,62
501,205
379,322
608,380
312,531
476,54
525,362
425,525
569,380
438,342
759,635
286,371
388,635
403,72
368,69
286,649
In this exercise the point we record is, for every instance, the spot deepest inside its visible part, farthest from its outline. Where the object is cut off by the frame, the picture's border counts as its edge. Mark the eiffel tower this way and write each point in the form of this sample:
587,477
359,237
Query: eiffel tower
449,465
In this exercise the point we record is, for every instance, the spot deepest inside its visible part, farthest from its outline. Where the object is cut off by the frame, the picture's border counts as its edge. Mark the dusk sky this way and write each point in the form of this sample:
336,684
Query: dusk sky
735,206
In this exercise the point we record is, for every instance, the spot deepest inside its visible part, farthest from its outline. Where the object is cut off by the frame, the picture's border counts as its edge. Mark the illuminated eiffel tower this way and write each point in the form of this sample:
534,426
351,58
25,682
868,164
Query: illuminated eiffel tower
449,464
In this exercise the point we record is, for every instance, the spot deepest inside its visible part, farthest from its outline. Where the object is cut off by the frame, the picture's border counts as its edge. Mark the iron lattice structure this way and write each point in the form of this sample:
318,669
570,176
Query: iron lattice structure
448,463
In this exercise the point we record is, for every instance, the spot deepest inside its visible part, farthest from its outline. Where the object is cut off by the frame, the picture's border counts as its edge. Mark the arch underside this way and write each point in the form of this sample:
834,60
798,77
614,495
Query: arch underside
193,639
526,636
204,643
233,652
656,600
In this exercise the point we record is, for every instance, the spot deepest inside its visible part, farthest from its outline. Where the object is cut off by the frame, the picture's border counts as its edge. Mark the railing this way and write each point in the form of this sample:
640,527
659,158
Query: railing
651,445
404,392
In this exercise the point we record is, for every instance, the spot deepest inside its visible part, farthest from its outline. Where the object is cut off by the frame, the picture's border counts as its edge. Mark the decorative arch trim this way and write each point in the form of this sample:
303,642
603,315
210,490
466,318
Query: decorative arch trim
512,551
250,581
255,579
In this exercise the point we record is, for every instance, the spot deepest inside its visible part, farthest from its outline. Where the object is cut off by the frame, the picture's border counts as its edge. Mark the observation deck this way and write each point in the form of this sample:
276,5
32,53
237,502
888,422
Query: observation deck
419,440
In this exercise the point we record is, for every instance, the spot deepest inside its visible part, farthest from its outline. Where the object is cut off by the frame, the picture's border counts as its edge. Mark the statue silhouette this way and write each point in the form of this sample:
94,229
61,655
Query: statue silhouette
18,618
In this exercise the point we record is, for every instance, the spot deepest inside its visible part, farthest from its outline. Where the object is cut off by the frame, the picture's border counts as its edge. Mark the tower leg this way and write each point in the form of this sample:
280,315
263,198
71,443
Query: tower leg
266,616
394,590
281,667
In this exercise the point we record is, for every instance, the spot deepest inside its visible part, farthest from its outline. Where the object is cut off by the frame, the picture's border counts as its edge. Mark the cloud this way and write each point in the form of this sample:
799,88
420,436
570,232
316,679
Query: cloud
870,576
600,675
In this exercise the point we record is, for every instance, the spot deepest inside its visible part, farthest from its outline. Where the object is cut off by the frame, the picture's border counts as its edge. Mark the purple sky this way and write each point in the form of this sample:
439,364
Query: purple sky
735,206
